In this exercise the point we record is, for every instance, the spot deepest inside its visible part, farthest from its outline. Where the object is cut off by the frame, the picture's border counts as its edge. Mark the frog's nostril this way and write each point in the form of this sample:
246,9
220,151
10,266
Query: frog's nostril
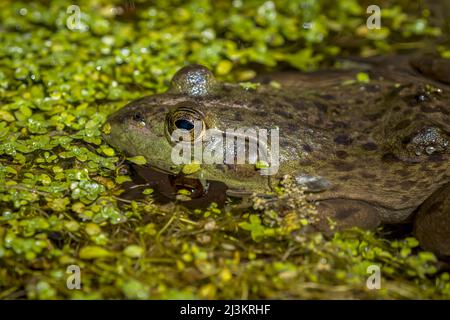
138,117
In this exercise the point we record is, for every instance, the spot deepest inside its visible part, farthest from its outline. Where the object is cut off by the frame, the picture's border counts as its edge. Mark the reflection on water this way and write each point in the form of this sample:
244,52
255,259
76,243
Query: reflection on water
166,188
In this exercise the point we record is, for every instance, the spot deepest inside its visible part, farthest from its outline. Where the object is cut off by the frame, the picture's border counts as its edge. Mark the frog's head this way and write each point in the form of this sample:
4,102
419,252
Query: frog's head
194,106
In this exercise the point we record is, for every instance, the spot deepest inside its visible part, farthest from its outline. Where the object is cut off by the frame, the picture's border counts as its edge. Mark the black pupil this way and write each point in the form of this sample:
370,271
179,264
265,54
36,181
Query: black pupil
184,124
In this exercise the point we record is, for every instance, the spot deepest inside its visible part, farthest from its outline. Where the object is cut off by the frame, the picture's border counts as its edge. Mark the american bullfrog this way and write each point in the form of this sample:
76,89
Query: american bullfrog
370,147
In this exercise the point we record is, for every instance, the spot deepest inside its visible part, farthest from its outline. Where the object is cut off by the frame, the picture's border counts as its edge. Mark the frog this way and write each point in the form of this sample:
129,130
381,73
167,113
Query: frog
368,144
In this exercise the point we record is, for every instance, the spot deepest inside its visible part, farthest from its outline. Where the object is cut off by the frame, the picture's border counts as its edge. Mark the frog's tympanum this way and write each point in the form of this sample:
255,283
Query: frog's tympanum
370,150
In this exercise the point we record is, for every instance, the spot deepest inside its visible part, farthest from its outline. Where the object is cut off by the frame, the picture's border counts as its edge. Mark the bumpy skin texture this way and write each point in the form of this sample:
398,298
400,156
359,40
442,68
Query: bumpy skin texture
432,224
381,147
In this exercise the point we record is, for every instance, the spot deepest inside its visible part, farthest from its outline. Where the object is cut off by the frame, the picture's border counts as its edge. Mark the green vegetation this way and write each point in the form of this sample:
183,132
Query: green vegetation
61,185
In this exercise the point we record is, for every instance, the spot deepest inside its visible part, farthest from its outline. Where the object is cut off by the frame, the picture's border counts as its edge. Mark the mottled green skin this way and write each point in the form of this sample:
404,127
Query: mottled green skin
367,139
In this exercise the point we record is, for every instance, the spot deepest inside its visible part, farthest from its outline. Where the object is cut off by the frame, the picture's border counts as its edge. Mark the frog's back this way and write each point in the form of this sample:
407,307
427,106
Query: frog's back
384,142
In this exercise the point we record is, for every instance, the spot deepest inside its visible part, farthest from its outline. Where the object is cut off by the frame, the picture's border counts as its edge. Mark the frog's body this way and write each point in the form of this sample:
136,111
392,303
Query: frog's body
370,152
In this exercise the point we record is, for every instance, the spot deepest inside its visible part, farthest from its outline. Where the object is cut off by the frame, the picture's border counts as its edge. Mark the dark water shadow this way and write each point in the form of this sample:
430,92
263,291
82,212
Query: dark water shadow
166,187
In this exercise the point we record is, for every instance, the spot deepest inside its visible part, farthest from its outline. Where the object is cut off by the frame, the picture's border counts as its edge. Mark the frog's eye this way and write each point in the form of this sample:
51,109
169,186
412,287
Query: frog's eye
185,123
193,80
